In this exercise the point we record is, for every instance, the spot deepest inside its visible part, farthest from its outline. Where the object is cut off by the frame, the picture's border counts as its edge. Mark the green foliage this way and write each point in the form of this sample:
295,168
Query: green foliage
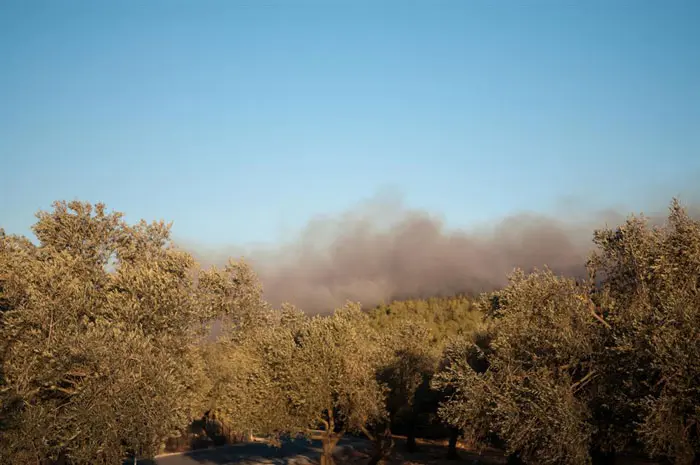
650,281
104,350
542,340
414,333
444,317
335,365
409,360
235,295
299,373
250,378
98,335
565,368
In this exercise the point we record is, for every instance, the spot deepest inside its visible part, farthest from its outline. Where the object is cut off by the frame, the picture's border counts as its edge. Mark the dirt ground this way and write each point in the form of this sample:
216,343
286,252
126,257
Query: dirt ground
435,453
350,451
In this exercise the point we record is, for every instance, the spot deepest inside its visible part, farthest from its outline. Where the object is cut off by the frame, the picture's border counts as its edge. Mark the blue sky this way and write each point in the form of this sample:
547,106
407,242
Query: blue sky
240,121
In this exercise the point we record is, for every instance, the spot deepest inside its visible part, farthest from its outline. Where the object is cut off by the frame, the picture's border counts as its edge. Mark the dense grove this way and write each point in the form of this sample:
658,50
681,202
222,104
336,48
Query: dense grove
107,352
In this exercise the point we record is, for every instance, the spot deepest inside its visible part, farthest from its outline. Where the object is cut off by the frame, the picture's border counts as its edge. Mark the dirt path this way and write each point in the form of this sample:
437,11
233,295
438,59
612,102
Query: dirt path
292,452
304,452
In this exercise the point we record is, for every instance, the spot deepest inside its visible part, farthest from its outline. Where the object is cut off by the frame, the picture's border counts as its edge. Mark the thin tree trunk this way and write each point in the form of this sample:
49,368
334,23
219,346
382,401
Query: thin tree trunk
411,445
452,446
383,443
327,452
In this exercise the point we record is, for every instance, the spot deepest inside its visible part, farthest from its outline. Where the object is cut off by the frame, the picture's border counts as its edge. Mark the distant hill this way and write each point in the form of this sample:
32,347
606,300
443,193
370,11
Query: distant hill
445,316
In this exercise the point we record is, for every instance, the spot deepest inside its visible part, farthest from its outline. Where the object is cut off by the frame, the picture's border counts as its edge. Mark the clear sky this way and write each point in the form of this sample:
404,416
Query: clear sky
240,120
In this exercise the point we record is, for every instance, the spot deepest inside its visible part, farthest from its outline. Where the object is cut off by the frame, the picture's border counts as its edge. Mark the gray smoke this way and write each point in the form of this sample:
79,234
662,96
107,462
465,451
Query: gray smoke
383,250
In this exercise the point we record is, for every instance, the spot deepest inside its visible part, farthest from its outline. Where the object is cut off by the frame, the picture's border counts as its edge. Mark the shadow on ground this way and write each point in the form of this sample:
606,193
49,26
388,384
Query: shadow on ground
305,452
351,450
298,451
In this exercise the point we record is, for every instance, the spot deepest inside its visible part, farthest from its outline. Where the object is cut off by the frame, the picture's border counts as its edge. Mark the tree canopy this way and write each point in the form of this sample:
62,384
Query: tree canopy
99,328
112,340
572,369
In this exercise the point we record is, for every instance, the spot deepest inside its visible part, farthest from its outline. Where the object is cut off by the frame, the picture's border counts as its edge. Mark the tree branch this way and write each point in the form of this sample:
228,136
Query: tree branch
367,433
592,308
331,421
582,382
325,424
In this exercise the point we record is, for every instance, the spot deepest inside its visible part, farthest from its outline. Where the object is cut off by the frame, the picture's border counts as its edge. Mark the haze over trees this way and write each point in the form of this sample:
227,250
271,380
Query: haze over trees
107,351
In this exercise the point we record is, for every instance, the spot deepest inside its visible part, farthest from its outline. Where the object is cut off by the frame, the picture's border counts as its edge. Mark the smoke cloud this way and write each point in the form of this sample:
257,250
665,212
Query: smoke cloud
383,250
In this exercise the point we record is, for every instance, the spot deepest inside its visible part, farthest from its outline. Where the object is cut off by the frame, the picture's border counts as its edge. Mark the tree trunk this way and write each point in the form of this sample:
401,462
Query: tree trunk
383,444
452,446
411,445
327,452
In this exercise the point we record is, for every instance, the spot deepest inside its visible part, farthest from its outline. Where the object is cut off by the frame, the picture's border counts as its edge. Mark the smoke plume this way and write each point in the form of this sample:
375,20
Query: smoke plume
383,250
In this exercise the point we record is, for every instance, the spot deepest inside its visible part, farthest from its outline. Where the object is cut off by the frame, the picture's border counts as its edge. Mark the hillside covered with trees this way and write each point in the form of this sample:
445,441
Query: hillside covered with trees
105,339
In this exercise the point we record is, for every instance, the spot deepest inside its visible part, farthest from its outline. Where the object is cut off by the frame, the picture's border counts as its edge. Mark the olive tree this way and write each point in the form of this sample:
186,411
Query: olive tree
98,332
531,392
649,279
234,295
410,360
250,378
298,374
333,380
